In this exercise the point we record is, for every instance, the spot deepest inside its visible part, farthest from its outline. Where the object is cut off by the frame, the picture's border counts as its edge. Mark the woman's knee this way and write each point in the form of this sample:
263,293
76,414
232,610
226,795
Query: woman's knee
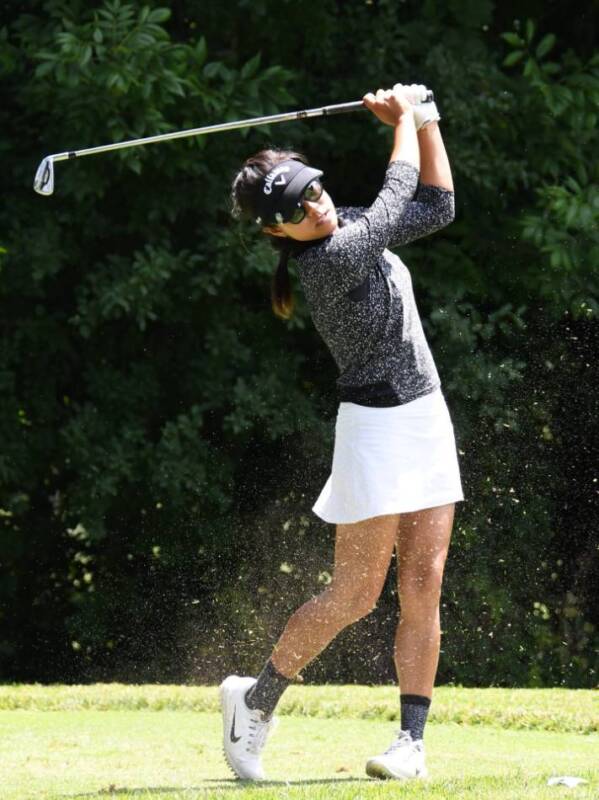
350,604
420,589
363,551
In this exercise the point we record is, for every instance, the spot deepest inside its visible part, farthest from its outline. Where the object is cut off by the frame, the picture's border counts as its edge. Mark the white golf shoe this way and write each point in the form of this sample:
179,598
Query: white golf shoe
244,729
403,760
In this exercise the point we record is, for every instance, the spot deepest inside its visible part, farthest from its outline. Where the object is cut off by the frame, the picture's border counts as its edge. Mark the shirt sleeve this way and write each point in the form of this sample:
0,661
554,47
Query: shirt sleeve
354,248
432,209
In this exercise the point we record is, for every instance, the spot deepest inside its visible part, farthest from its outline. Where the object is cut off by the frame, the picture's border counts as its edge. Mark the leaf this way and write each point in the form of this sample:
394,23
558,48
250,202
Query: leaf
44,69
545,45
86,55
530,30
555,259
212,69
200,51
160,15
46,54
550,68
249,68
143,40
571,213
513,58
513,39
583,176
159,34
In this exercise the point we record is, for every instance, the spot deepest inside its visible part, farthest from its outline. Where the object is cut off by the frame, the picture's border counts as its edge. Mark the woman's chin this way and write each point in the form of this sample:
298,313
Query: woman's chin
328,224
331,226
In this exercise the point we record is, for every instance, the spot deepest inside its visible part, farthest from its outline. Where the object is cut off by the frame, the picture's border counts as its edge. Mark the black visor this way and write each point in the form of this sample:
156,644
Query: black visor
282,191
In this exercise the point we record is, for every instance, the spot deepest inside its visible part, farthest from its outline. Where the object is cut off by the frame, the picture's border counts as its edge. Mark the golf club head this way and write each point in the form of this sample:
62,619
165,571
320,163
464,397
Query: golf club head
43,183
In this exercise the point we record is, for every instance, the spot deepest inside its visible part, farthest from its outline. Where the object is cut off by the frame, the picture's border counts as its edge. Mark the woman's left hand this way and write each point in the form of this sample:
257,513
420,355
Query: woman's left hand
415,92
424,112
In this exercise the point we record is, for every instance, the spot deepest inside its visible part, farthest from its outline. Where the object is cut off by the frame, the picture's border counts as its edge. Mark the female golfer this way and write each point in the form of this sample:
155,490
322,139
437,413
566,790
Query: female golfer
395,475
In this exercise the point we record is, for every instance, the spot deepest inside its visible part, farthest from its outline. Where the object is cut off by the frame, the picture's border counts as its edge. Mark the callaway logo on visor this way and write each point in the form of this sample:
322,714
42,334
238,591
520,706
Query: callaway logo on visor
275,176
282,191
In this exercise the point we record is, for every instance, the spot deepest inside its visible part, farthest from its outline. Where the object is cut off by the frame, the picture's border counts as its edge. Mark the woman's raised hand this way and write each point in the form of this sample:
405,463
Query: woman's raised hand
389,105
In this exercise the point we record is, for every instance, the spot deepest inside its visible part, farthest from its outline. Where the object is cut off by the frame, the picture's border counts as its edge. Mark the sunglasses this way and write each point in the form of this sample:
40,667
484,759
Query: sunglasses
311,193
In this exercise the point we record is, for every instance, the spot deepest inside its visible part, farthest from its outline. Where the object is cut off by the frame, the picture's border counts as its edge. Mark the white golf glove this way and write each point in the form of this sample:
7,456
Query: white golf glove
424,112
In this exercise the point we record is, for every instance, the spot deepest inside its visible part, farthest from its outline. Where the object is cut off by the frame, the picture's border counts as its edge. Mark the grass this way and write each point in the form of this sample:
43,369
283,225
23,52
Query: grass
164,742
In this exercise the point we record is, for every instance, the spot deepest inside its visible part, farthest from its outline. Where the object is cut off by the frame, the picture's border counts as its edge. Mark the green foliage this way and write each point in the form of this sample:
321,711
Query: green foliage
562,223
163,435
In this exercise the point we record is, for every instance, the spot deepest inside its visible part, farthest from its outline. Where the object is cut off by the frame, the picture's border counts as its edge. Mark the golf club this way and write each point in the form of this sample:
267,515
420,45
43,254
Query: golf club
44,177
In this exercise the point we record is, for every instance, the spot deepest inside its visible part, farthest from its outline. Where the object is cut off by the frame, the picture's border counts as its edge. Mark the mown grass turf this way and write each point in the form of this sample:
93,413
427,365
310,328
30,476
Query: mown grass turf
176,753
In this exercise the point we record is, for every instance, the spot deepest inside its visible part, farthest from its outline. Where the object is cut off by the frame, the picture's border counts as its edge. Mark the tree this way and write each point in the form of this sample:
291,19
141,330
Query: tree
163,434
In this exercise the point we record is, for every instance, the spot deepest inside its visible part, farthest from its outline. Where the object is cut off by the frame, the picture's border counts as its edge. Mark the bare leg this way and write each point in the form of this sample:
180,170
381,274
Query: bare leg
422,546
363,552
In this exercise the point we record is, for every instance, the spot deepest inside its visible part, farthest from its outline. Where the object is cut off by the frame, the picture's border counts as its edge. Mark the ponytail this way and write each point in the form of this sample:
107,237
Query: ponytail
281,294
243,194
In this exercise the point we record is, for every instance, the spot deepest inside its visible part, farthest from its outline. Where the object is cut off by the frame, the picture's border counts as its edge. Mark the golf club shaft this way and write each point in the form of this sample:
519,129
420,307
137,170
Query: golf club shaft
226,126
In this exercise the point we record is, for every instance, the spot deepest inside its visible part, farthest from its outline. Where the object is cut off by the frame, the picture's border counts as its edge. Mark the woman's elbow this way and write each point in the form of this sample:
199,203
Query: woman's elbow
448,210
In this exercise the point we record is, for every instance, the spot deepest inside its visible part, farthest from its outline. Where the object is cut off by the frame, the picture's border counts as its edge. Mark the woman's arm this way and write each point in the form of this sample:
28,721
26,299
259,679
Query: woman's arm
434,205
351,252
406,142
434,163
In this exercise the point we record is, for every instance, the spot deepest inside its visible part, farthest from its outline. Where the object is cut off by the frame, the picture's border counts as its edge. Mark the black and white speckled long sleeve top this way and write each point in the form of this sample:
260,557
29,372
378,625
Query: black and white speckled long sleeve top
360,293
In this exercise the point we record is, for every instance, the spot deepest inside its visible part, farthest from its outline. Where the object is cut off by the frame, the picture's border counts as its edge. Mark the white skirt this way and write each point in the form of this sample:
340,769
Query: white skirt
391,460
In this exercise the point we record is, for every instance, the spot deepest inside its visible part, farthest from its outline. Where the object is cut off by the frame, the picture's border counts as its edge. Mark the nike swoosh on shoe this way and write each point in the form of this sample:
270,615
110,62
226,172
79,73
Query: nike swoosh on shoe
233,737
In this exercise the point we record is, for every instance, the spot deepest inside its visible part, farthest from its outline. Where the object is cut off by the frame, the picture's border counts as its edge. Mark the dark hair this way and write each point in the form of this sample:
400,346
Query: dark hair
243,193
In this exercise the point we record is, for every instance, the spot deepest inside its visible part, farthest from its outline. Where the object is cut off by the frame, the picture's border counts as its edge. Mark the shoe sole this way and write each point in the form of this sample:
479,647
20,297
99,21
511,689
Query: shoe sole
376,770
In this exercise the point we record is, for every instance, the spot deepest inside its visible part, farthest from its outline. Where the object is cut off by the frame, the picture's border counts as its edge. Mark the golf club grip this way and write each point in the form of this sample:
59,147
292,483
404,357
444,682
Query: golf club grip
344,108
